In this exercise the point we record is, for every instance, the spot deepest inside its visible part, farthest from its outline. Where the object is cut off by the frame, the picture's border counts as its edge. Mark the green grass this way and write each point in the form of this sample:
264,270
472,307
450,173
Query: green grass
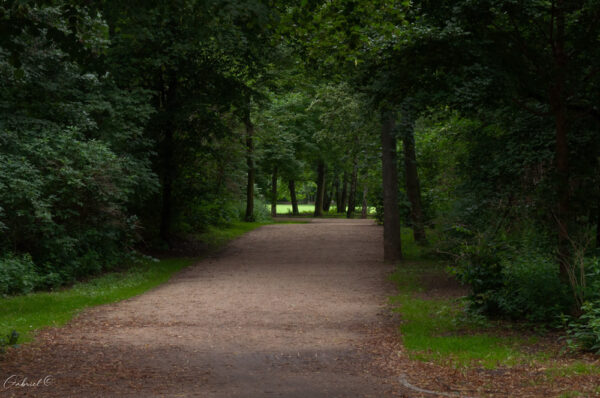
34,311
27,313
286,208
436,329
573,369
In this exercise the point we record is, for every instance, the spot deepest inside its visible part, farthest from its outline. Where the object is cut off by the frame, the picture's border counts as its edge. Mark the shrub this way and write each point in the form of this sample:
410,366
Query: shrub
532,288
18,275
584,332
478,265
514,281
8,341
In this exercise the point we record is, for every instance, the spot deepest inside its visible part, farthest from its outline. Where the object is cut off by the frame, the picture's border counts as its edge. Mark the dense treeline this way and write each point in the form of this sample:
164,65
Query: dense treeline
475,123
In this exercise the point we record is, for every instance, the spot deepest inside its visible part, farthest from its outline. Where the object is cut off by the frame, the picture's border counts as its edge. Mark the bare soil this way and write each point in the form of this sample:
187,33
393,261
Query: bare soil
284,311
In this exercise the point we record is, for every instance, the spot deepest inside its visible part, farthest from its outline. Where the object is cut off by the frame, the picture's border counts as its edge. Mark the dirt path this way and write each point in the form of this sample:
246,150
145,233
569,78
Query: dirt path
282,312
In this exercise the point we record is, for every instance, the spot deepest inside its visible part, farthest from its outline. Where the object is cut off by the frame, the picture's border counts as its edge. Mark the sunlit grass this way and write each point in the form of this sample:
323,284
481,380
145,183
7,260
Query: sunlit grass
286,208
436,329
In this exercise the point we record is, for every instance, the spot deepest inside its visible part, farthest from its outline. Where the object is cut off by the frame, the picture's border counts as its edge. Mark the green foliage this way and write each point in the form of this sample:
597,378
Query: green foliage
18,275
27,313
515,281
584,332
73,159
435,329
10,340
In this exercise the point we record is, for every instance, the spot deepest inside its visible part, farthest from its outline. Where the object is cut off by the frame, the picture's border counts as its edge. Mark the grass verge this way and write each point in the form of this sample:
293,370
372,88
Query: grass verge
34,311
436,328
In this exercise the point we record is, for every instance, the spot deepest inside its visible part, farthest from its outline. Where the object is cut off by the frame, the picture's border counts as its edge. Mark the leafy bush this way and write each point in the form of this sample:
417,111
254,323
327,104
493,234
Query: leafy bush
515,281
584,332
18,275
262,212
532,288
478,265
73,162
8,341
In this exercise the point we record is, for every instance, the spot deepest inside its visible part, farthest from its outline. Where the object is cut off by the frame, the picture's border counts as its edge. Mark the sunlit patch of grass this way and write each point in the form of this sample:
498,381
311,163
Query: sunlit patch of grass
432,330
286,209
437,329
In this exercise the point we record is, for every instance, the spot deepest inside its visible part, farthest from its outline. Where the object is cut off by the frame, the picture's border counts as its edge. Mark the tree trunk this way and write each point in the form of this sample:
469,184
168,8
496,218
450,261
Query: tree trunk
167,185
344,200
392,246
326,202
338,194
558,104
365,206
292,187
598,226
274,193
250,166
413,186
353,182
320,189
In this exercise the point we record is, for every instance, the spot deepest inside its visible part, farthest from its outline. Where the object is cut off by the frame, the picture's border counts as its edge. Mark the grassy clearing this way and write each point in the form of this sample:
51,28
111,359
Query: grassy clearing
437,330
286,208
27,313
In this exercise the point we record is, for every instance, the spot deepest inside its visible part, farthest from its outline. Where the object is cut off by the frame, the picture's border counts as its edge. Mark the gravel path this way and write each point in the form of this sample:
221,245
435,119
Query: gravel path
282,312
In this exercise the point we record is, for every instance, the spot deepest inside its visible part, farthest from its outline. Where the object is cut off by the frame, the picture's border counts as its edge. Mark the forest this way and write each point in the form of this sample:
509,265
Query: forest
470,127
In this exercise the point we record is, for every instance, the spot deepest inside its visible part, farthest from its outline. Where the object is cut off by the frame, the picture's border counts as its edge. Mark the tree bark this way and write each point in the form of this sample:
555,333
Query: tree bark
392,246
365,206
344,200
559,109
598,226
413,186
338,195
320,189
292,188
250,166
167,185
327,201
167,103
274,192
352,195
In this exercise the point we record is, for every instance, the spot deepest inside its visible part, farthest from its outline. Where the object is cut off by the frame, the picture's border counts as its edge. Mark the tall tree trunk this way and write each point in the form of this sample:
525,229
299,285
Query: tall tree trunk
352,195
392,246
167,103
274,192
326,201
167,185
338,195
320,189
598,226
365,206
292,188
250,166
342,208
413,186
558,104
